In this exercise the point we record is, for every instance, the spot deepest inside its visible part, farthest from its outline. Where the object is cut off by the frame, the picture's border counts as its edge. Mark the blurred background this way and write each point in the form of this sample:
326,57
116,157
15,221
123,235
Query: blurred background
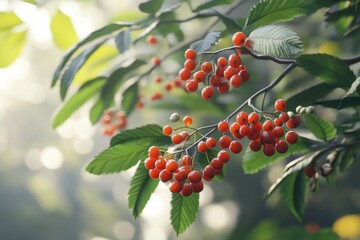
45,192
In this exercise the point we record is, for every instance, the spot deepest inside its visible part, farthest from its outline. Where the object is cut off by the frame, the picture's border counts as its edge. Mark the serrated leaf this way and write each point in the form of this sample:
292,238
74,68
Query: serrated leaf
203,45
126,150
74,67
9,20
129,98
328,68
151,7
123,41
183,211
293,190
11,46
77,100
275,41
210,4
63,31
255,161
353,88
150,132
339,103
319,127
308,96
98,34
271,11
141,188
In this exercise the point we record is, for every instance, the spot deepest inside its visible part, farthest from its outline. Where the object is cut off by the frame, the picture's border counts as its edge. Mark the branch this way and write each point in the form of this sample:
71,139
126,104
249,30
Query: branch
352,60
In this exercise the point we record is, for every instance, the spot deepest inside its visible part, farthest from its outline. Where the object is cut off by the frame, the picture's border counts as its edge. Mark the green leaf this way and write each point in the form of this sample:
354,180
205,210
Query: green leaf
127,149
150,132
210,4
293,192
151,7
11,45
329,68
97,111
255,161
129,98
203,45
63,31
183,211
271,11
123,41
353,88
319,127
275,41
141,188
339,103
98,34
308,96
77,100
346,159
9,20
74,67
231,24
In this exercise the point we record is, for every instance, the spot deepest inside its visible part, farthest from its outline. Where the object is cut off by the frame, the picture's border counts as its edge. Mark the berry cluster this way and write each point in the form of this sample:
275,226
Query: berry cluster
113,121
221,75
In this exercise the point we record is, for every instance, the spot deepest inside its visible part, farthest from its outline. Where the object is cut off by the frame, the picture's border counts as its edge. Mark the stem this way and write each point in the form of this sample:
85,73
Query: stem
352,60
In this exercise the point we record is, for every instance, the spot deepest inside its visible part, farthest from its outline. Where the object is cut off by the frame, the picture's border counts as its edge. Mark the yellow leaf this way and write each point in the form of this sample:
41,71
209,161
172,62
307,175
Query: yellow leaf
9,20
63,31
95,64
11,44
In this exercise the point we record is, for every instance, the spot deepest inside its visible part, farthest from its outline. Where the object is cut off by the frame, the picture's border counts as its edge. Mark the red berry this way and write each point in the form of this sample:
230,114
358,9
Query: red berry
215,80
235,147
245,76
181,175
245,130
207,93
206,67
217,164
223,156
293,122
176,138
167,130
223,126
186,160
255,145
211,142
186,190
291,137
202,147
194,176
269,150
284,117
267,137
151,39
190,64
191,85
268,125
238,38
187,120
223,88
278,122
236,81
253,118
209,172
234,60
165,175
235,130
150,163
309,171
280,105
256,127
160,164
229,72
184,135
197,187
220,72
171,165
253,135
176,186
278,132
200,76
154,173
156,61
224,141
242,118
221,62
190,54
281,146
154,152
184,74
